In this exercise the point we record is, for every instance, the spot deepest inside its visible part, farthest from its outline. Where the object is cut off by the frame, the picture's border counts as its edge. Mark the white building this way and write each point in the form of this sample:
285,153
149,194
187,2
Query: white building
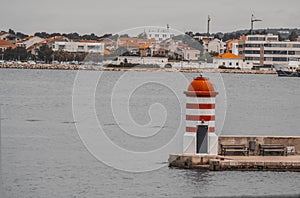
230,60
267,50
159,34
175,50
91,47
190,54
30,41
235,48
142,60
213,45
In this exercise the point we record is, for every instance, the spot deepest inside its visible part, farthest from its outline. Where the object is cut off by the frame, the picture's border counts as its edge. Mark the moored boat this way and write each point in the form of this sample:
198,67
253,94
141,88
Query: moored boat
292,69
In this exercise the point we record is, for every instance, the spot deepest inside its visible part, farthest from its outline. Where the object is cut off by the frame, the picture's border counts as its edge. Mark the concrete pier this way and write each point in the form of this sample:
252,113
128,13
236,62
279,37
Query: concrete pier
235,163
253,162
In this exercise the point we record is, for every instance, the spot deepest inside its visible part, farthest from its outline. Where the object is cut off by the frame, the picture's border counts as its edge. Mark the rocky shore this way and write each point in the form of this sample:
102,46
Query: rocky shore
99,68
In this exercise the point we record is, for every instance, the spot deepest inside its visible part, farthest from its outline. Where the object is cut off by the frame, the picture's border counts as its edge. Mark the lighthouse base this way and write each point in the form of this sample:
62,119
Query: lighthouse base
190,144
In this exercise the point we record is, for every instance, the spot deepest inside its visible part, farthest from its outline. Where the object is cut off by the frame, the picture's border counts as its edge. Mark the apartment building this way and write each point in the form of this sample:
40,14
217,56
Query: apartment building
267,50
159,34
91,47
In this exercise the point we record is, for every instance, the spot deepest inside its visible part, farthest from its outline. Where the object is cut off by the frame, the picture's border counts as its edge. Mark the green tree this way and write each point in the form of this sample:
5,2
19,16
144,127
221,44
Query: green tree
45,53
21,35
19,53
11,31
293,36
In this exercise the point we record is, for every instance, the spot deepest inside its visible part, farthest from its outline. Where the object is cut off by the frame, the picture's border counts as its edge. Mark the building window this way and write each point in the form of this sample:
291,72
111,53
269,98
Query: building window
237,64
280,59
296,45
224,63
256,38
230,63
61,47
291,52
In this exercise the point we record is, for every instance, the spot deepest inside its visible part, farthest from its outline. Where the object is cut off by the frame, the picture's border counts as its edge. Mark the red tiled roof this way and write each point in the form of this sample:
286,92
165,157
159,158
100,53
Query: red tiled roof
4,43
228,56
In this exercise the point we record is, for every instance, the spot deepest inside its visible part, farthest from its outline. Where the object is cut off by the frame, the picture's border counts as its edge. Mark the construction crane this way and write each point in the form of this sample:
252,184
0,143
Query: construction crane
253,20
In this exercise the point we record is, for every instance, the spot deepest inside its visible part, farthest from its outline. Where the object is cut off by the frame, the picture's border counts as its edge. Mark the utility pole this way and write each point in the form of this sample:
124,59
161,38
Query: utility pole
208,23
253,20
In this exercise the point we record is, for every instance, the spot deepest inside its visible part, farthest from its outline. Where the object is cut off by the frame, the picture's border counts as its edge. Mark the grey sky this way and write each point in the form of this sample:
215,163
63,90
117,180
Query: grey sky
111,16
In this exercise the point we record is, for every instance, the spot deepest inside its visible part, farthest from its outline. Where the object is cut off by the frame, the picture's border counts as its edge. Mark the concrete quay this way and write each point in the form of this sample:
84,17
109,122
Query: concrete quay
254,162
235,163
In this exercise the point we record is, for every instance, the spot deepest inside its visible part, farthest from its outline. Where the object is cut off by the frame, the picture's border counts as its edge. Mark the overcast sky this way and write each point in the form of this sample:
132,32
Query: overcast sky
112,16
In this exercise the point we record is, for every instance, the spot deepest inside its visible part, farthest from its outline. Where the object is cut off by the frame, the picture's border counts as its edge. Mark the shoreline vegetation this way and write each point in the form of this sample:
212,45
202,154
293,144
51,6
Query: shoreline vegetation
141,69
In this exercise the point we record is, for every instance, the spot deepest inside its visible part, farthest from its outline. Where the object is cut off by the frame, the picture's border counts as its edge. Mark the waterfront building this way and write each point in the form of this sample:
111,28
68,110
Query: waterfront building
190,53
29,41
213,45
109,44
266,50
33,49
82,46
134,44
176,50
230,60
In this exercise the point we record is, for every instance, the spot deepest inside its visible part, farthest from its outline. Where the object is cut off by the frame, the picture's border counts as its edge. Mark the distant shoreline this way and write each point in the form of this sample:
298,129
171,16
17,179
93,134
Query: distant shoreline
99,68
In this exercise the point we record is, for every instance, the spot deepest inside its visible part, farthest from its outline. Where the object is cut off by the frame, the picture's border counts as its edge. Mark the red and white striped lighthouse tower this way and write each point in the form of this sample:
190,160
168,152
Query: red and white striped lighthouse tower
200,110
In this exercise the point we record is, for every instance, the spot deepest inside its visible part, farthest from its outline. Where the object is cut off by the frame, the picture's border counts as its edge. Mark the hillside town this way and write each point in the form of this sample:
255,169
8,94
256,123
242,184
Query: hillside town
154,47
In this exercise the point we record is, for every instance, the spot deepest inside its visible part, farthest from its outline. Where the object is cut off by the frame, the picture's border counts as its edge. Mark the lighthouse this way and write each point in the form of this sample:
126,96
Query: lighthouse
200,132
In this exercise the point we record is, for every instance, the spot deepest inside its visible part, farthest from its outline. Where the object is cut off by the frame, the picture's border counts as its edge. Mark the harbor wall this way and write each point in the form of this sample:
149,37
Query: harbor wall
100,68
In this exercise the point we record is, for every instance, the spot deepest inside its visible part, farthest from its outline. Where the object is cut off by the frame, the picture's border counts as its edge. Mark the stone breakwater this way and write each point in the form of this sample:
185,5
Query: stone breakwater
100,68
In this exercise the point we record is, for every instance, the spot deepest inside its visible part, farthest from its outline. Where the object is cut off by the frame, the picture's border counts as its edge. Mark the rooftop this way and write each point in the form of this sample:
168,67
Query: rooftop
228,56
4,43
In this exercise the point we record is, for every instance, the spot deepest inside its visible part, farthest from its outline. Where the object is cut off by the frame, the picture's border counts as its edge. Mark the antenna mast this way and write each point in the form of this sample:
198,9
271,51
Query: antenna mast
208,23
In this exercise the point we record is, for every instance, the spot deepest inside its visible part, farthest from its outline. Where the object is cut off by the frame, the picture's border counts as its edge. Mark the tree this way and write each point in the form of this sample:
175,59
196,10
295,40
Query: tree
18,53
72,36
280,38
1,53
21,35
106,36
293,36
45,53
55,34
42,34
11,31
190,33
142,35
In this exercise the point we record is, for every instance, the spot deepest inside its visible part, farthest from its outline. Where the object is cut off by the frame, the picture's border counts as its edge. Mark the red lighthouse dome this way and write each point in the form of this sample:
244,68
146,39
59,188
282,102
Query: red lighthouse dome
201,87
